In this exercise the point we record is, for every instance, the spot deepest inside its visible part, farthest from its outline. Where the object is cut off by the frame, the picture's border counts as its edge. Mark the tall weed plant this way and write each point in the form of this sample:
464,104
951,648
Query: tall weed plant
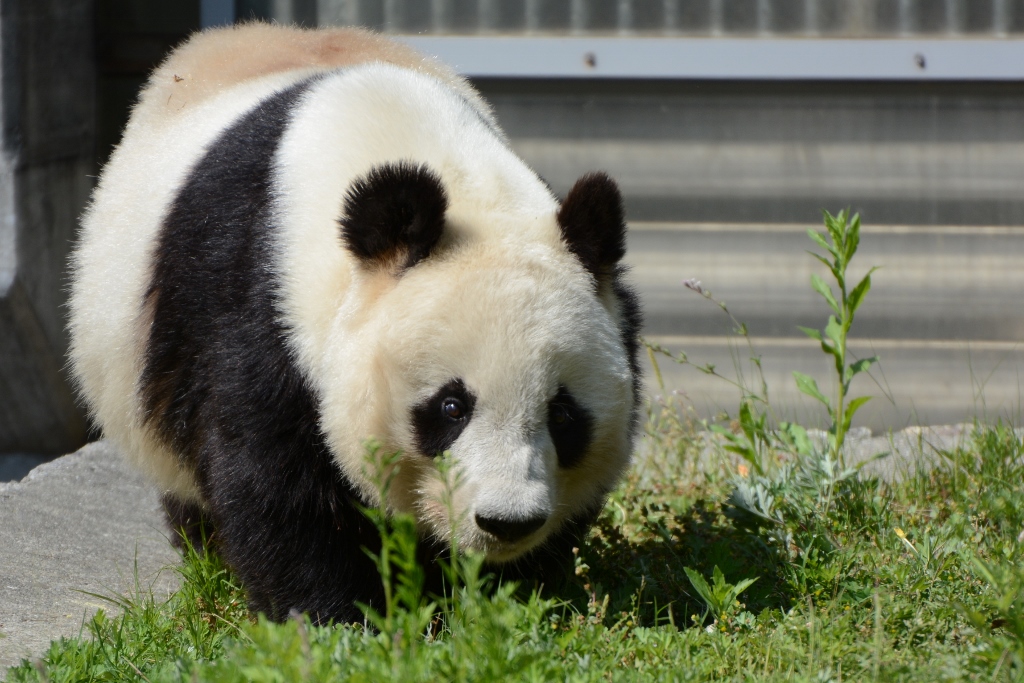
795,478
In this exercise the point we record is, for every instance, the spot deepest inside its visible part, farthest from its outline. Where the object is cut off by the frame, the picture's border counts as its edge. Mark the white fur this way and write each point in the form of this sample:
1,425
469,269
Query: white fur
509,310
111,266
514,315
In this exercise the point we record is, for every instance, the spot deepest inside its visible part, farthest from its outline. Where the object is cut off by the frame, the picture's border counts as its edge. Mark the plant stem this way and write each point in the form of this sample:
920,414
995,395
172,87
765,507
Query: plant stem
837,418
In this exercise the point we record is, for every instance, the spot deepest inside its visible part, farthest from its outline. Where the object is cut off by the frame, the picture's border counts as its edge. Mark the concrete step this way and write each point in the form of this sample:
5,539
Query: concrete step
777,151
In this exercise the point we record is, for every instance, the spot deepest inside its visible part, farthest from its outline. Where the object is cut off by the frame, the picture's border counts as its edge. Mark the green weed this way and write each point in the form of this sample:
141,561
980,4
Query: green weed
844,238
721,596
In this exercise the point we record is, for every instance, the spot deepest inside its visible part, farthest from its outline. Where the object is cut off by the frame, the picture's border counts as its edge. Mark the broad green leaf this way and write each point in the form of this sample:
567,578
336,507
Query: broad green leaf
986,572
740,447
718,429
736,590
810,332
828,264
703,590
852,237
851,408
834,331
719,581
821,287
746,421
736,441
862,365
820,241
834,225
744,452
807,385
860,291
797,436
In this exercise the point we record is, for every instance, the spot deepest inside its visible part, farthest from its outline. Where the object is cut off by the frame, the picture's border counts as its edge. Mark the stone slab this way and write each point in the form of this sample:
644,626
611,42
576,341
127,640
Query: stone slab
74,526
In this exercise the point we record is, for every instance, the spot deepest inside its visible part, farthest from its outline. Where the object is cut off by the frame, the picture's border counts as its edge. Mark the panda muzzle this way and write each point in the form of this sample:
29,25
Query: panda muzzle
510,530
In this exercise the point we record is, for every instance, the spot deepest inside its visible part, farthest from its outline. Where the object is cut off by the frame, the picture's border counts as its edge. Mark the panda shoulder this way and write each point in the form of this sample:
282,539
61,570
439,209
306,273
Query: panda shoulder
215,60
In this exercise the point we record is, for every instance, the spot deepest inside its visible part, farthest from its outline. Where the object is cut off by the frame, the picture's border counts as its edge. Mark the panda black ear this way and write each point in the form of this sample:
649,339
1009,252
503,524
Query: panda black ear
593,223
394,213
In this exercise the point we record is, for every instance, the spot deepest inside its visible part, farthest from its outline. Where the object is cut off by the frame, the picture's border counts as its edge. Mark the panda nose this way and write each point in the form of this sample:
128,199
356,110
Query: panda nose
510,529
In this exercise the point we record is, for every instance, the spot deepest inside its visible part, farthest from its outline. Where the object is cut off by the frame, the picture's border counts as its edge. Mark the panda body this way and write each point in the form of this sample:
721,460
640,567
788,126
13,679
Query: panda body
309,240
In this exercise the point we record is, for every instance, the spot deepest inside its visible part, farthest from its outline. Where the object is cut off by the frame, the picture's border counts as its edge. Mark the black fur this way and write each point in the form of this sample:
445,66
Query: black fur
188,523
630,324
571,428
435,432
222,389
551,565
593,223
395,212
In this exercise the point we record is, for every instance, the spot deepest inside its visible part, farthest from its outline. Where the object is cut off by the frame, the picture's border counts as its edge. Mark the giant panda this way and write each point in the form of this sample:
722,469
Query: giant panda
312,241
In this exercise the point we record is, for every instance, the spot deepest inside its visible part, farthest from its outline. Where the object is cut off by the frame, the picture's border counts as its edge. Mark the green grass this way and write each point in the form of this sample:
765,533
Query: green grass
918,580
766,560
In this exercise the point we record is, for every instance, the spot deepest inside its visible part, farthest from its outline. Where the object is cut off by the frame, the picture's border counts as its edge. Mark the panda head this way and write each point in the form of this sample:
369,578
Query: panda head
502,341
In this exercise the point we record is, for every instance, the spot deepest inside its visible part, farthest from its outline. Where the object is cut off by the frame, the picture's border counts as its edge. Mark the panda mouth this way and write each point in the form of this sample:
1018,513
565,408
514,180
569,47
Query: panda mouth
501,552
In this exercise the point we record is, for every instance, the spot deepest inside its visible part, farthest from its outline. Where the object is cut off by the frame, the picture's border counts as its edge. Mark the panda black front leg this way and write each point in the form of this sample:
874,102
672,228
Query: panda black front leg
295,540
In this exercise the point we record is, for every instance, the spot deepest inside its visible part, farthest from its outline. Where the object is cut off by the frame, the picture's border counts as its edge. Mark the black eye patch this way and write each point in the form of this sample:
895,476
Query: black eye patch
438,421
570,426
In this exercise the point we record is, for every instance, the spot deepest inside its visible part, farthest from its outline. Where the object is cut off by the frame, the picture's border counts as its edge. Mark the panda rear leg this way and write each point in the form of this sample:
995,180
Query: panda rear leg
188,523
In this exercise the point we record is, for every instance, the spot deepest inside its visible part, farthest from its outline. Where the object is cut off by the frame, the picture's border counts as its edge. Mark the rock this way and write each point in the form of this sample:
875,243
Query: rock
74,526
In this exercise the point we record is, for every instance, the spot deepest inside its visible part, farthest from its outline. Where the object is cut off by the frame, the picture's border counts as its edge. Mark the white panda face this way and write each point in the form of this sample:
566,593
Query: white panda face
507,360
500,337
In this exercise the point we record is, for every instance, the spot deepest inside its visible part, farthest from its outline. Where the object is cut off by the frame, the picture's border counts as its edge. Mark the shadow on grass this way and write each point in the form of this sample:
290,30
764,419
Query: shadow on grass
640,565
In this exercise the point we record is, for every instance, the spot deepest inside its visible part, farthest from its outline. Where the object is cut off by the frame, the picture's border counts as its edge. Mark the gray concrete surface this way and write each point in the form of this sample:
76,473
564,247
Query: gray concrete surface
74,526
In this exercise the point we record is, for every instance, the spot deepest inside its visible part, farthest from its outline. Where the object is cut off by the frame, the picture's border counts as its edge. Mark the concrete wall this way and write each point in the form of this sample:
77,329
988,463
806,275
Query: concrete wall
47,82
776,151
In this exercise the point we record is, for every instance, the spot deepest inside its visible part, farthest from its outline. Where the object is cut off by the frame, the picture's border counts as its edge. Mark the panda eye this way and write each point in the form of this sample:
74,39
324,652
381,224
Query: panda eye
559,415
453,408
438,420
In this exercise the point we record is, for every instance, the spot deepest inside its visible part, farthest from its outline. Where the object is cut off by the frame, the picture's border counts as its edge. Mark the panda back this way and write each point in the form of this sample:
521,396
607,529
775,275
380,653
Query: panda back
216,60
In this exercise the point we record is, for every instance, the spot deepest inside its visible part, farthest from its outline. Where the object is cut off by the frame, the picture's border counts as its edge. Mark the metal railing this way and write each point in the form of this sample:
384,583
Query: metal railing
972,40
840,18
